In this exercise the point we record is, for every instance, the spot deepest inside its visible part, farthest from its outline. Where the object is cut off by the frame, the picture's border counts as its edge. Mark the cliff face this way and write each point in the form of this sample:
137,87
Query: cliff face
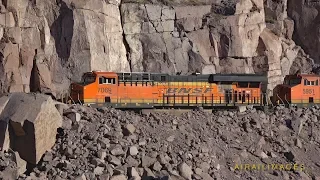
47,44
307,25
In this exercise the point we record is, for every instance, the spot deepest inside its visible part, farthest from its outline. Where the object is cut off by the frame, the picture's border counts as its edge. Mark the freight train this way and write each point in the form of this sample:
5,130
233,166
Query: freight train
159,90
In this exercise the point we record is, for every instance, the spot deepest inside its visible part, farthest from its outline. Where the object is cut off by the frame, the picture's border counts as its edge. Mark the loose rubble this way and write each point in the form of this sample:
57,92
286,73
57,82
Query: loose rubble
111,144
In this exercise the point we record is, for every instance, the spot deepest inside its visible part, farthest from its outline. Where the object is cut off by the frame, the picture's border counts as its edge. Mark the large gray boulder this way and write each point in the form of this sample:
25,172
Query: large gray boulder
4,132
34,120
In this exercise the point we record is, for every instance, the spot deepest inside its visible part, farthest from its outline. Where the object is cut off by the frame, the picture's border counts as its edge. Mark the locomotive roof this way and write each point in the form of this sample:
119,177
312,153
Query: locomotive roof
304,75
196,78
238,78
309,75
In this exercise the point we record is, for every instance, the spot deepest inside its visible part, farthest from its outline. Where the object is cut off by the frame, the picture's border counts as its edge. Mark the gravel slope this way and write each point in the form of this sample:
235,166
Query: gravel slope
113,144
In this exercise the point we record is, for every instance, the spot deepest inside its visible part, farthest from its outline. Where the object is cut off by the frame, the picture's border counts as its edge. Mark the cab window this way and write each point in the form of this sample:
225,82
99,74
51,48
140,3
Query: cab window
88,79
163,78
295,81
242,84
105,80
310,83
254,85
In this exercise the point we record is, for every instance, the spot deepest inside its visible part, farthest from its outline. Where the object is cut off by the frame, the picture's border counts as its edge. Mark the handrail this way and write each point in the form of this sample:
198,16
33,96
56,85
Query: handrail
280,98
72,100
136,80
285,98
79,99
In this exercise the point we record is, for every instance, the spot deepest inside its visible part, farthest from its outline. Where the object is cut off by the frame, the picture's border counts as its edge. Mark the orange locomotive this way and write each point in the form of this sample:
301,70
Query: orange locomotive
298,90
152,90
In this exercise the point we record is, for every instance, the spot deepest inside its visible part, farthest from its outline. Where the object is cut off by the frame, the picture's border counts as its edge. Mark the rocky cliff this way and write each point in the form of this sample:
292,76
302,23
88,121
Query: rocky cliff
47,44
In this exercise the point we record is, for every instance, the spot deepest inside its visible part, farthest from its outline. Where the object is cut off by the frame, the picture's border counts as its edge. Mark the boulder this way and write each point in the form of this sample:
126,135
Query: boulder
10,52
191,11
42,79
31,38
4,132
62,107
232,65
14,35
133,151
7,20
190,17
74,116
129,129
273,52
167,13
203,42
132,12
153,11
297,124
185,170
190,24
132,172
242,109
21,164
209,69
34,120
20,9
118,177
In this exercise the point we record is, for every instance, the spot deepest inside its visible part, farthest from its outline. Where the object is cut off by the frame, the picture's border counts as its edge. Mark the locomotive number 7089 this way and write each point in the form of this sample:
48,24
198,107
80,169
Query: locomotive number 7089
104,90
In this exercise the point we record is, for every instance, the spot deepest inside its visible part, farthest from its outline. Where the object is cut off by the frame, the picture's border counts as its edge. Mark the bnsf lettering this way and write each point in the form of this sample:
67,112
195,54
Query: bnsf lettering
197,90
104,90
188,90
308,91
184,90
172,90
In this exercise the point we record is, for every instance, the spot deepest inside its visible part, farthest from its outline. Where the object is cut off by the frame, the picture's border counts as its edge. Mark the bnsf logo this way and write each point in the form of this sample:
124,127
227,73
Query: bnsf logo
188,90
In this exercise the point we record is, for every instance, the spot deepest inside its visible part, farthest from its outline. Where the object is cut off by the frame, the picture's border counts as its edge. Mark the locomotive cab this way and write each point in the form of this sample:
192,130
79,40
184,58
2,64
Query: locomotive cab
299,89
77,89
95,87
106,87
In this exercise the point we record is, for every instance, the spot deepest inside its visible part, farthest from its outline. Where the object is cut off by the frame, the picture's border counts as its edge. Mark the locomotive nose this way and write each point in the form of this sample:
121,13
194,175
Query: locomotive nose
77,92
287,93
284,94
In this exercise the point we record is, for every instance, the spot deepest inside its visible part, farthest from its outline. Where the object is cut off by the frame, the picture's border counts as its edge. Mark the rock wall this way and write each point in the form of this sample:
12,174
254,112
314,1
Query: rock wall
47,44
307,24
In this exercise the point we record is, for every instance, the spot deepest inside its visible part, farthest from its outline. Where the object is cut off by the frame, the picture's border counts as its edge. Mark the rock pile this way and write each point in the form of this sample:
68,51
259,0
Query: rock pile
8,166
111,144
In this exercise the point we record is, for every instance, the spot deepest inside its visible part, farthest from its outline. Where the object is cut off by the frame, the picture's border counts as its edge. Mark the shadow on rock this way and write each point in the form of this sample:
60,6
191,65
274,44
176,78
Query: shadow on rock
62,31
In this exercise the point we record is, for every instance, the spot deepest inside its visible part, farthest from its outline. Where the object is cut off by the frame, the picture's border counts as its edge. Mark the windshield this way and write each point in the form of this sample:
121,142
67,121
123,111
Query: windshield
293,82
88,79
